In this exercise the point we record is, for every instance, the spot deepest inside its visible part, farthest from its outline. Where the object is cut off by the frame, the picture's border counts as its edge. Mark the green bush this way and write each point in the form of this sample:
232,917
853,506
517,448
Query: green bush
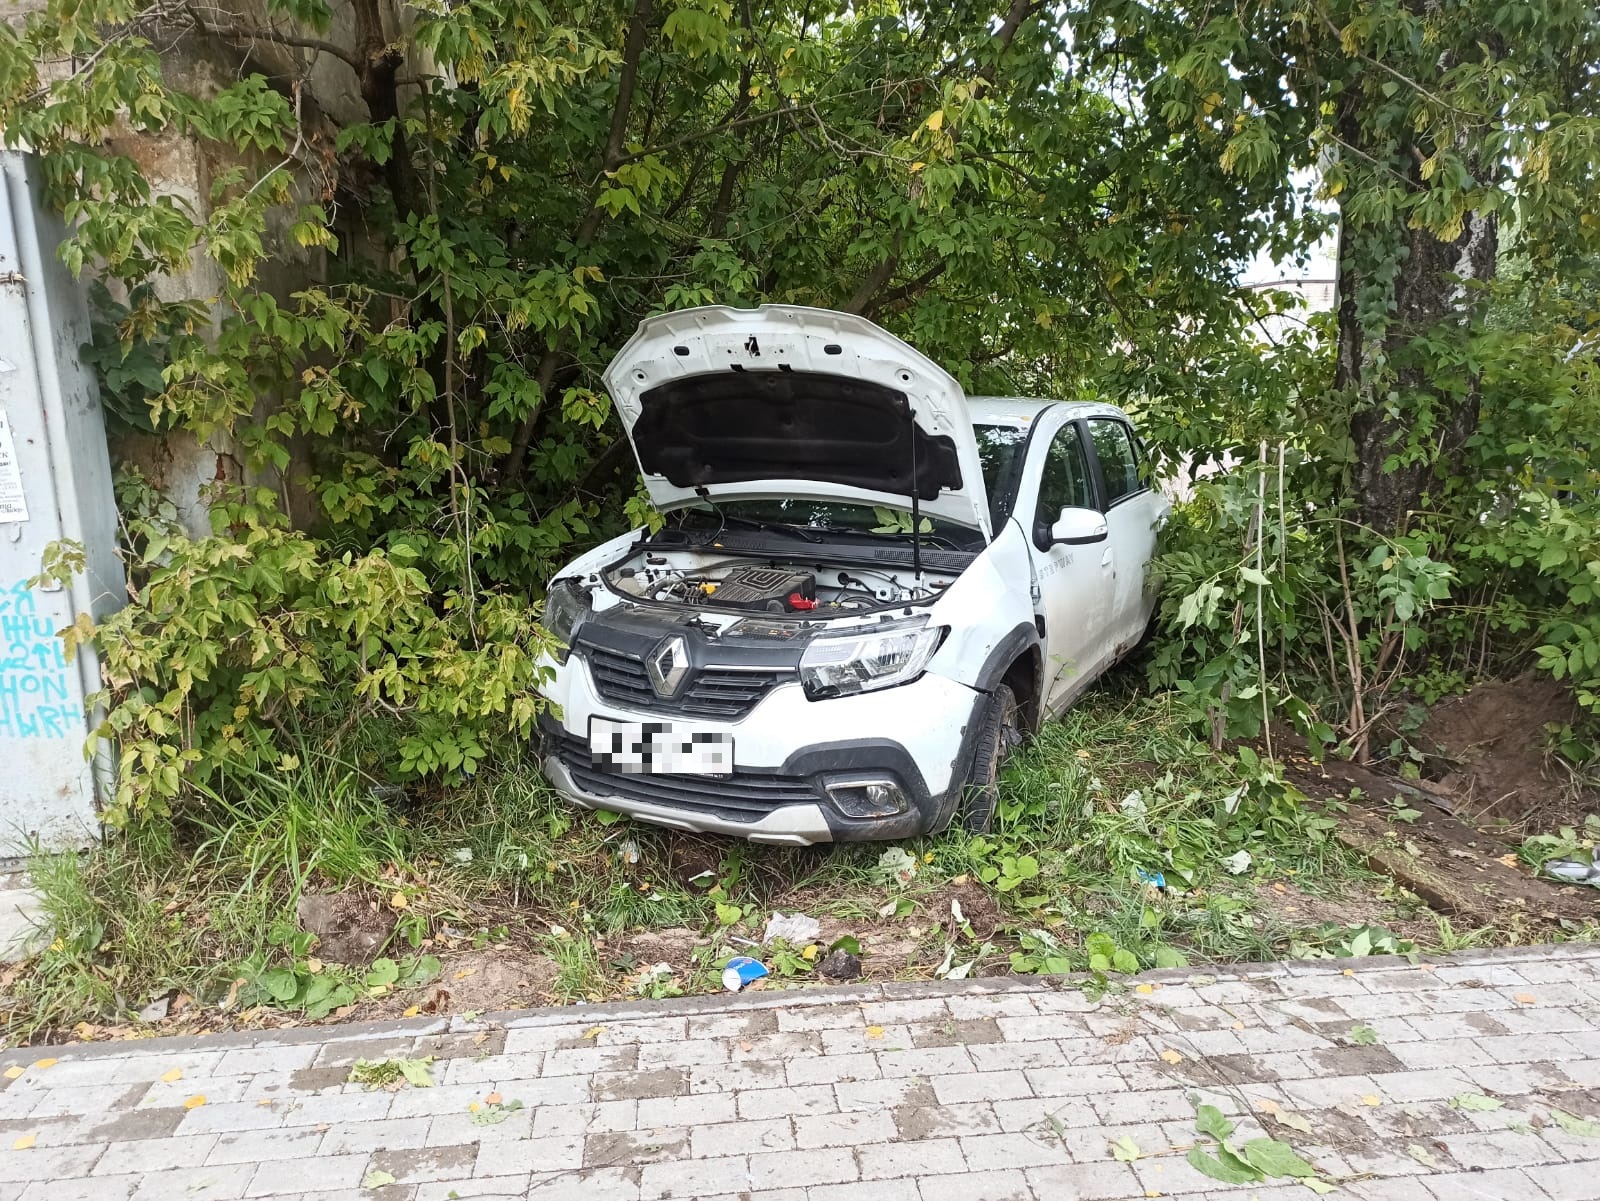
236,641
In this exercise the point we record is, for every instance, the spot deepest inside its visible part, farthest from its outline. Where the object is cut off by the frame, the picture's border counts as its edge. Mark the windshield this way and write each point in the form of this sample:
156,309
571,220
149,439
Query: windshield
822,515
1000,452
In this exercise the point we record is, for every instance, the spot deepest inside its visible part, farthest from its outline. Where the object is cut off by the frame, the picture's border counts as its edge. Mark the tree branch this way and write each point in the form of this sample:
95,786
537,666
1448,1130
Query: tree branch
1016,14
611,157
1019,12
874,279
1338,36
701,134
237,34
717,223
905,291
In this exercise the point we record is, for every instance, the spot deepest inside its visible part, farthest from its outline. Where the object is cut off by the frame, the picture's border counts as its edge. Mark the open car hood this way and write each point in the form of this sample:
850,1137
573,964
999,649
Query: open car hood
782,401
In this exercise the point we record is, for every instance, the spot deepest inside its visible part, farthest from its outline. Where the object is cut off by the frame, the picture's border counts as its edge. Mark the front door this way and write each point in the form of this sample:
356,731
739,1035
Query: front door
1134,513
1075,582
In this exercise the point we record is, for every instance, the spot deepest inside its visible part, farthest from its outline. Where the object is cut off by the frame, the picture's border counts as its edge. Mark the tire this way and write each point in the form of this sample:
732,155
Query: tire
999,734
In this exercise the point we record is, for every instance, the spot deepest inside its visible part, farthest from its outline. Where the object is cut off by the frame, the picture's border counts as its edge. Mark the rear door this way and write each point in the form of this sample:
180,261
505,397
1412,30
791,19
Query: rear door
1134,511
1076,584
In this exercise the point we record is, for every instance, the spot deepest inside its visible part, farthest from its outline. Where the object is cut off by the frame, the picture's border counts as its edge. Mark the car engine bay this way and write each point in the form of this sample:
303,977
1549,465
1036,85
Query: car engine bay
771,586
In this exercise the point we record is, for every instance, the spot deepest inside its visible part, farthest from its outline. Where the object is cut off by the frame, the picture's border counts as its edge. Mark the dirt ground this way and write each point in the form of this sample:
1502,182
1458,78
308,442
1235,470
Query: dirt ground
1467,870
1358,905
483,981
1489,757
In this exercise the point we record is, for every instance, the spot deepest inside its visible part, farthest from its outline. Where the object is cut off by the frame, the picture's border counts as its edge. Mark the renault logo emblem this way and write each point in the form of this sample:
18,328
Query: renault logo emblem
667,665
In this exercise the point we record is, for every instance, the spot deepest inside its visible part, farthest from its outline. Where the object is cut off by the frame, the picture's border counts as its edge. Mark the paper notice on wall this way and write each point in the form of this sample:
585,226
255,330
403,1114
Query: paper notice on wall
13,504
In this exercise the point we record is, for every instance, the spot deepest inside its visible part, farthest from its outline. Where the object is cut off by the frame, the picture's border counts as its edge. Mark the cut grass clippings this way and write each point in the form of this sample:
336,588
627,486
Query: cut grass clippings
392,1073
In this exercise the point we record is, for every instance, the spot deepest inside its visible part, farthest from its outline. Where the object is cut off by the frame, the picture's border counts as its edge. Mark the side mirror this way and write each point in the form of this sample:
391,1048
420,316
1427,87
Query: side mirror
1078,527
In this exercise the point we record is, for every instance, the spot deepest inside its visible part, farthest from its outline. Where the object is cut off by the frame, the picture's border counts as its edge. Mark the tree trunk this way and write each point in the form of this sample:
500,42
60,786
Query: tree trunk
380,60
1402,444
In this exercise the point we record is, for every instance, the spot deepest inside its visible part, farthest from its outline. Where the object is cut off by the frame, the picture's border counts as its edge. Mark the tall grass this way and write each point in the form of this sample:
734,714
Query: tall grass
132,920
322,816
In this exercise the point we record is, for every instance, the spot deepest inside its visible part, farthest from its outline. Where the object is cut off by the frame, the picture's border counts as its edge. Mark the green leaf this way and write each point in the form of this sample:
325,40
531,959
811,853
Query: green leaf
493,1115
382,973
1475,1103
281,984
1363,1036
1125,1149
847,943
1100,943
1232,1172
1166,956
1554,555
1580,1127
419,971
377,1178
1253,576
1276,1158
416,1072
336,997
1316,1184
1210,1120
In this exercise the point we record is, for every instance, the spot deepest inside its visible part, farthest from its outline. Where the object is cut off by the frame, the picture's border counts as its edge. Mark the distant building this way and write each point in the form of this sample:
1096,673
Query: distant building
1316,296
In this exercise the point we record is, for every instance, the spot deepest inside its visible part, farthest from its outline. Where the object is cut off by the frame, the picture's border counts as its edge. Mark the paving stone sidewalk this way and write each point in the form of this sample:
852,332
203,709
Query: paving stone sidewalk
979,1091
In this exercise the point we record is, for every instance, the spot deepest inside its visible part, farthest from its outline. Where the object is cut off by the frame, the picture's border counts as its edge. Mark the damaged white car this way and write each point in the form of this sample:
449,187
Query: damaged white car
868,590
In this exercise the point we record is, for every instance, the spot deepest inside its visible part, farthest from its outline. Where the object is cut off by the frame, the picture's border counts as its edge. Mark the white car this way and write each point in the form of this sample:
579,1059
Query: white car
869,588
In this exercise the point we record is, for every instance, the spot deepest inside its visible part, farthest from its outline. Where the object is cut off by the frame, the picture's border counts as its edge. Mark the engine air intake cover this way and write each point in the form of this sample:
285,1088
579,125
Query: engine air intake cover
768,589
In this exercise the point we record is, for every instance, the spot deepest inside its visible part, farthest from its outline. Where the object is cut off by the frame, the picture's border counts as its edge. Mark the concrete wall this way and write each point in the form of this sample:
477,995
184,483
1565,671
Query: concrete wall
55,484
184,167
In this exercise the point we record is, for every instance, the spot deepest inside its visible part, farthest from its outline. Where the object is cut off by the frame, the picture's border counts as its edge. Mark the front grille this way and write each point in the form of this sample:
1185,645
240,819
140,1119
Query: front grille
711,691
744,796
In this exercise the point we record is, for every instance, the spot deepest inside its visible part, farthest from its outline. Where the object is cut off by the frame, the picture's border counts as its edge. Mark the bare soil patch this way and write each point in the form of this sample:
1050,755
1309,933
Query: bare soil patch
351,927
1491,755
484,981
1465,869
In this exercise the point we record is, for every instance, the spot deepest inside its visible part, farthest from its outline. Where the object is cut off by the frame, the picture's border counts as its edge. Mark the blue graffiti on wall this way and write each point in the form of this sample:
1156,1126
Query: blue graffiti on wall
36,686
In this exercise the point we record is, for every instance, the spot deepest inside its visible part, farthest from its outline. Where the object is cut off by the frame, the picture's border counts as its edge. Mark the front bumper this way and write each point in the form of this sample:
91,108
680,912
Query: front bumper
786,752
788,825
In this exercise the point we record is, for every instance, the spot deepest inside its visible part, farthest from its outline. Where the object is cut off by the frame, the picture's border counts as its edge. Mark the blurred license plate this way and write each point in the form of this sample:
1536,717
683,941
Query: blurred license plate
644,748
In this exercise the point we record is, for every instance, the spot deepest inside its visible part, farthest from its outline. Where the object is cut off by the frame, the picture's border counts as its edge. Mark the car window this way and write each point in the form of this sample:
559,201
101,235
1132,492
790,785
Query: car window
1000,455
1065,483
816,515
1119,461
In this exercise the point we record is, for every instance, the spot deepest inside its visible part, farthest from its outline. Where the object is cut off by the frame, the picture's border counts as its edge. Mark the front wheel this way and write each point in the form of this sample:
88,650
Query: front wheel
999,734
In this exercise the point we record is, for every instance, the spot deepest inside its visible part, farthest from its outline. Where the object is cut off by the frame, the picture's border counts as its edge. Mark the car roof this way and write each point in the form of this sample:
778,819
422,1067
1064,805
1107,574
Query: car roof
1021,412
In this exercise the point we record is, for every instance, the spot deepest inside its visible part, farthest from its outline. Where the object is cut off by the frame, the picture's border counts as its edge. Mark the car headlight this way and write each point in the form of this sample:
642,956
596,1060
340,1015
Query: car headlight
866,659
565,606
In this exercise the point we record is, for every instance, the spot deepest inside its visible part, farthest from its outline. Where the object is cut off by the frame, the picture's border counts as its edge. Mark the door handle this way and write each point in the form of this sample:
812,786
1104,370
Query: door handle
1105,557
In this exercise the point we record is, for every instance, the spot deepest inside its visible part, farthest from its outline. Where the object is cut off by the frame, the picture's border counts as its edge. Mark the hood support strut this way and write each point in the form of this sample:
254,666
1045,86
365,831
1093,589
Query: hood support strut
916,506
